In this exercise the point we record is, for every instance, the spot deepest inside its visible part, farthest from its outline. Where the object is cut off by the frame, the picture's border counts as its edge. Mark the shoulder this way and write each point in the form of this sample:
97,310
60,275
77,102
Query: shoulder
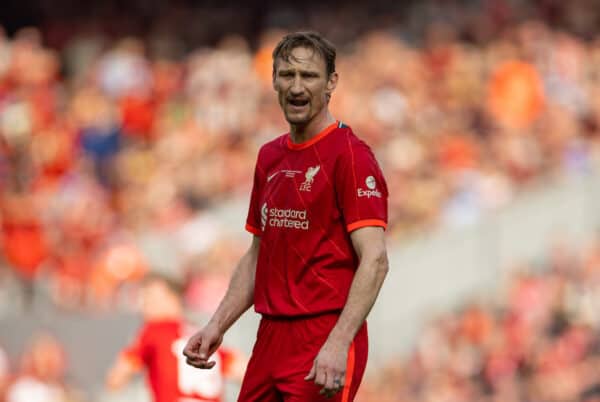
349,144
274,146
271,152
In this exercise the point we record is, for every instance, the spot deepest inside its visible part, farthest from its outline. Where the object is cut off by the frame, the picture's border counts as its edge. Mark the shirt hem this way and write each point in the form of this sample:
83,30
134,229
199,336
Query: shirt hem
253,230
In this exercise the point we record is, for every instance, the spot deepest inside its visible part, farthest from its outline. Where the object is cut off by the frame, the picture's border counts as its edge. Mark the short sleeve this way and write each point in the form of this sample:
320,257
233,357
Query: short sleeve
253,222
361,188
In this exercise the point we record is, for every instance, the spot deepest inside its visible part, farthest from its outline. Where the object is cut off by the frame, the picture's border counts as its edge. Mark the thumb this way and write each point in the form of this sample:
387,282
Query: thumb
311,374
203,350
190,347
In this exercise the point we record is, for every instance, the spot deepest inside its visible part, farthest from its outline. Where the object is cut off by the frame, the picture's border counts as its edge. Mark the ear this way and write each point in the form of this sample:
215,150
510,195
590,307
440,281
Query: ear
332,82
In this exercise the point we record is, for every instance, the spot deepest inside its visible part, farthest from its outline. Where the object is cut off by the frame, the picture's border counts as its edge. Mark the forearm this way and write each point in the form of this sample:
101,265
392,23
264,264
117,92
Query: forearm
240,293
120,373
363,293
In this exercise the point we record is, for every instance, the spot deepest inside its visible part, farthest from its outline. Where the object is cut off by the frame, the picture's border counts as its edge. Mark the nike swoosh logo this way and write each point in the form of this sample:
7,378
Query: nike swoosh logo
273,175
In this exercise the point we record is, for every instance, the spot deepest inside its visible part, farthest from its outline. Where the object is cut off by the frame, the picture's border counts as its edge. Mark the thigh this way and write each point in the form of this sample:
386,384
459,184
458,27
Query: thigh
257,388
258,384
295,389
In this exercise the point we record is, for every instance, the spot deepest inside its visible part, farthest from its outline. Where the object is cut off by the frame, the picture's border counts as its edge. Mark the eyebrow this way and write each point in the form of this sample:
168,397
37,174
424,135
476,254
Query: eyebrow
301,70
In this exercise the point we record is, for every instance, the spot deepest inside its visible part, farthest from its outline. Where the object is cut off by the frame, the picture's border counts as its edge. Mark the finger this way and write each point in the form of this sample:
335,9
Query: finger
312,373
190,354
321,377
328,393
340,380
329,383
201,363
190,348
210,364
198,363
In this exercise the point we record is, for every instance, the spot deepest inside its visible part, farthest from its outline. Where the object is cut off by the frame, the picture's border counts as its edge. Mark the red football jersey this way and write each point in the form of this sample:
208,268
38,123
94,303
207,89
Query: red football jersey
159,347
306,200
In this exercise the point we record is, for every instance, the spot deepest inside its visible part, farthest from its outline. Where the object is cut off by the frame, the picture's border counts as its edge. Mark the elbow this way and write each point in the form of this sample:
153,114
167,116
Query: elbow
382,265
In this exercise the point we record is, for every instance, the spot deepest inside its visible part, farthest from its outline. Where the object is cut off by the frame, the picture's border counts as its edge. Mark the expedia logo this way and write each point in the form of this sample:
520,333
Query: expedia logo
371,183
372,191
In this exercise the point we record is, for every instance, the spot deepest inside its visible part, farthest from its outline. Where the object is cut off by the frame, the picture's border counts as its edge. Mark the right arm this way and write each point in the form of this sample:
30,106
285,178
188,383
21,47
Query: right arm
238,298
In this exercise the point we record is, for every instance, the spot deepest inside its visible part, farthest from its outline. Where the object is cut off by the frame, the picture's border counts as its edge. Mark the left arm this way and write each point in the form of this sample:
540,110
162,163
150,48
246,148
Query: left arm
330,363
121,372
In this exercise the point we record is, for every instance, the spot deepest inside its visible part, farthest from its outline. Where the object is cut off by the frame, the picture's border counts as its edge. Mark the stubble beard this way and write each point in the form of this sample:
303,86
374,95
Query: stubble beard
298,119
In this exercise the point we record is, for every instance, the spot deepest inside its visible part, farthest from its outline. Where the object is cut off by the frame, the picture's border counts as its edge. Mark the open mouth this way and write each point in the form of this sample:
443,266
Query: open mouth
298,102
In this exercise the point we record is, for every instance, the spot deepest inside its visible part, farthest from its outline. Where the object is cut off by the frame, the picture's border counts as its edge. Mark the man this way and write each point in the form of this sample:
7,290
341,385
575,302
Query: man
317,259
42,374
158,347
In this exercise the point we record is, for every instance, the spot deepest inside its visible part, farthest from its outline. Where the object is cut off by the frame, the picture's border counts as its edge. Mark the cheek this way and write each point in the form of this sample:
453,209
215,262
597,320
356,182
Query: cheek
280,92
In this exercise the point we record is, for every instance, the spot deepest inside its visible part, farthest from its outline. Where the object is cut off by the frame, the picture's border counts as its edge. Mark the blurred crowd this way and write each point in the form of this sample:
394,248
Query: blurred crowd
120,150
117,153
537,341
39,375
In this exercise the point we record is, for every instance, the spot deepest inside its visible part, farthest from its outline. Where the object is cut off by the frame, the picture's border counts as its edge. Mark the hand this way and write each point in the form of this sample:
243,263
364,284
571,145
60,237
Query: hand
201,346
329,368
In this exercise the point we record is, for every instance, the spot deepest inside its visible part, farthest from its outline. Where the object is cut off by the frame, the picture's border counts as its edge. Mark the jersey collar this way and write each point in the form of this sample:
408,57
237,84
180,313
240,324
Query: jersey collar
303,145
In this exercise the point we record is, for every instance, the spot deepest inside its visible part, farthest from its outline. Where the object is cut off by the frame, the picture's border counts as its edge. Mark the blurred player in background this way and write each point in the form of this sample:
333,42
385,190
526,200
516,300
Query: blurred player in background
41,377
318,211
158,347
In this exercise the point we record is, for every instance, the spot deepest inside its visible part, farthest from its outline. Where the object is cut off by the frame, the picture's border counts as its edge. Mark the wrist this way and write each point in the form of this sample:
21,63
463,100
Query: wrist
218,324
344,338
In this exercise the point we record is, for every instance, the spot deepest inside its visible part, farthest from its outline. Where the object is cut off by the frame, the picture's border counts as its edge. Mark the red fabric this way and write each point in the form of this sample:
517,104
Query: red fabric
25,247
158,347
284,353
138,116
305,200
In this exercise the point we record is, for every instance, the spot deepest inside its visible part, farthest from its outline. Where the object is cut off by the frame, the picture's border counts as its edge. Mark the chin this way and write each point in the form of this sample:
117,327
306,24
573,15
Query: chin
297,119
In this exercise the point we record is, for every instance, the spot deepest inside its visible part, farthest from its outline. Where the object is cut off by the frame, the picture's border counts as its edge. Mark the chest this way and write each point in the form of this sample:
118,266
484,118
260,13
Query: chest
300,179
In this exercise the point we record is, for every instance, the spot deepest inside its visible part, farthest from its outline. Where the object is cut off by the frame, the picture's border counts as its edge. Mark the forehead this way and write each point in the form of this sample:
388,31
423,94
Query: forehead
302,58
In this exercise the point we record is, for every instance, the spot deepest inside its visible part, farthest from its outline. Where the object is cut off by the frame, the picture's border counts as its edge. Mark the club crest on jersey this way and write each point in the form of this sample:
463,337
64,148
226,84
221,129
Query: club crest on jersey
310,178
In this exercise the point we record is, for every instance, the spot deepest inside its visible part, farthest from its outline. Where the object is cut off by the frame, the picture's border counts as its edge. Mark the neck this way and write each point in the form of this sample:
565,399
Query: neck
304,132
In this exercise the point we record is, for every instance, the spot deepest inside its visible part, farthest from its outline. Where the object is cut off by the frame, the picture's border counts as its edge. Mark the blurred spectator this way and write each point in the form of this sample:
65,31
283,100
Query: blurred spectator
158,350
531,345
23,238
41,377
4,374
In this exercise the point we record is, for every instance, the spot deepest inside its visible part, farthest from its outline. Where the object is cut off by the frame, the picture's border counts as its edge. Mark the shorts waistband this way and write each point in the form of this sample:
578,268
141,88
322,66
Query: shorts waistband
300,317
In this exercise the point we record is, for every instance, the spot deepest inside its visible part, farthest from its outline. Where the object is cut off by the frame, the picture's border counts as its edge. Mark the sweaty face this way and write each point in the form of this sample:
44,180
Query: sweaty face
302,85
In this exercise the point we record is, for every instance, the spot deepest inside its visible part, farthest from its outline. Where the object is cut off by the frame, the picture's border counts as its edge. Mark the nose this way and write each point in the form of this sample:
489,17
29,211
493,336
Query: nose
297,88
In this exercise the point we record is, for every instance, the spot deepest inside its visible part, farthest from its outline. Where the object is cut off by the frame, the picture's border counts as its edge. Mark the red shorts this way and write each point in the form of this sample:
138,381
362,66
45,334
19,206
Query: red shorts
284,353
